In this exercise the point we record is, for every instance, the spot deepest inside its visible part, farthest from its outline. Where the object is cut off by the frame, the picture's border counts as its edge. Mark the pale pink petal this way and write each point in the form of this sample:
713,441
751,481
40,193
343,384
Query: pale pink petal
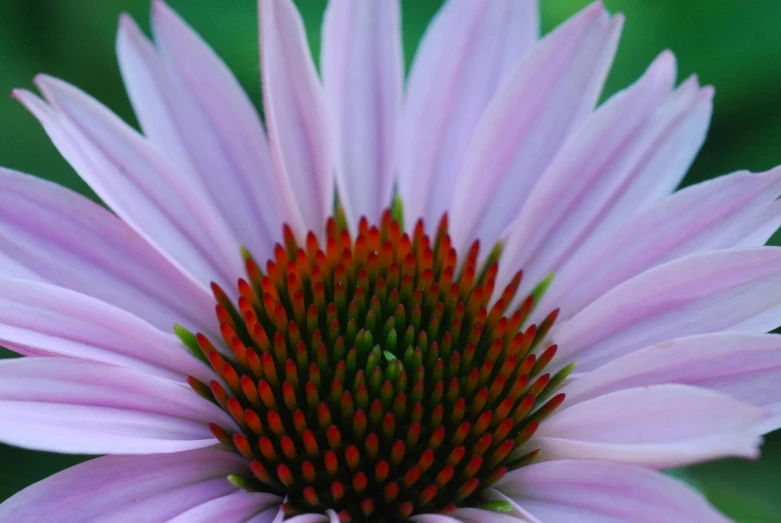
744,366
54,235
295,113
236,506
601,492
632,151
363,70
193,109
734,290
83,407
467,51
308,518
433,518
738,210
660,426
467,515
154,487
55,321
270,515
149,193
542,101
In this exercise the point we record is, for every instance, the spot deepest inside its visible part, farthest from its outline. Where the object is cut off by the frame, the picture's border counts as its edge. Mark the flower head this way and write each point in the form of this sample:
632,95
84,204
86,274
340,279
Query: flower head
506,316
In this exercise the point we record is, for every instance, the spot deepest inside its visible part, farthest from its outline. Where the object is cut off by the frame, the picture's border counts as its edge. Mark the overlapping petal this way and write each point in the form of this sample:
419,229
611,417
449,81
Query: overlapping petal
469,48
156,487
55,321
53,235
83,407
632,151
738,210
661,426
542,101
295,114
744,366
236,506
165,206
603,492
363,70
734,290
193,109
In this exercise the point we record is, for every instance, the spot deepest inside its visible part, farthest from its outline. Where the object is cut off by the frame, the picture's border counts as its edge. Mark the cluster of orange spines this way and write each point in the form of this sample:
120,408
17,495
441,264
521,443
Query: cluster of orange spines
374,376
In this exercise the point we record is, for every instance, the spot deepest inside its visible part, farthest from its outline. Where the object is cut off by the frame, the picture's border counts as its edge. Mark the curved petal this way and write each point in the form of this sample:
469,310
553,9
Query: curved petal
154,487
236,506
363,70
193,109
602,492
744,366
308,518
83,407
738,210
542,101
295,113
632,151
733,290
467,51
467,515
162,204
54,235
660,426
54,321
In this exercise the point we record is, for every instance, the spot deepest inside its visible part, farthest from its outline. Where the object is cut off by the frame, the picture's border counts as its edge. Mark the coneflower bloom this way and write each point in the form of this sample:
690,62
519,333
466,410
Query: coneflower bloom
477,299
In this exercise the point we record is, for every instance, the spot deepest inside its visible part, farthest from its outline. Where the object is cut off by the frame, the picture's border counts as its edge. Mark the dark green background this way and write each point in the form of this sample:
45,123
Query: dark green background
733,45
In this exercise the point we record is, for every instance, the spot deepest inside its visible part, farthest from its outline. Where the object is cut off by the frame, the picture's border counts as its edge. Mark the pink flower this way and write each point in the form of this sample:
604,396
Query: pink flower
367,373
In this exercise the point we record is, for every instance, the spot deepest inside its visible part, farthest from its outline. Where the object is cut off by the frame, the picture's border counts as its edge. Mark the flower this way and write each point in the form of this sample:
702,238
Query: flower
364,372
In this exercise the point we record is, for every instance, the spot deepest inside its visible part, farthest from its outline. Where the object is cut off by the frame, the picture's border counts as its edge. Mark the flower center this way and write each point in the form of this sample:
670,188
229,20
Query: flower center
376,376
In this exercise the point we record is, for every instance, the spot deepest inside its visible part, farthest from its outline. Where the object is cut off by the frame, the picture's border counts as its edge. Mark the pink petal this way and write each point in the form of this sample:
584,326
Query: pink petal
543,100
602,492
54,321
744,366
295,113
94,408
129,488
467,515
661,426
236,506
193,109
736,210
160,202
733,290
631,151
51,234
363,69
467,51
308,518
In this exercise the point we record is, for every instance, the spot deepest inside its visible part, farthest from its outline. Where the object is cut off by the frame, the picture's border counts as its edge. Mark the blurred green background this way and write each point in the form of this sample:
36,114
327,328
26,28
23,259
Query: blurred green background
735,46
